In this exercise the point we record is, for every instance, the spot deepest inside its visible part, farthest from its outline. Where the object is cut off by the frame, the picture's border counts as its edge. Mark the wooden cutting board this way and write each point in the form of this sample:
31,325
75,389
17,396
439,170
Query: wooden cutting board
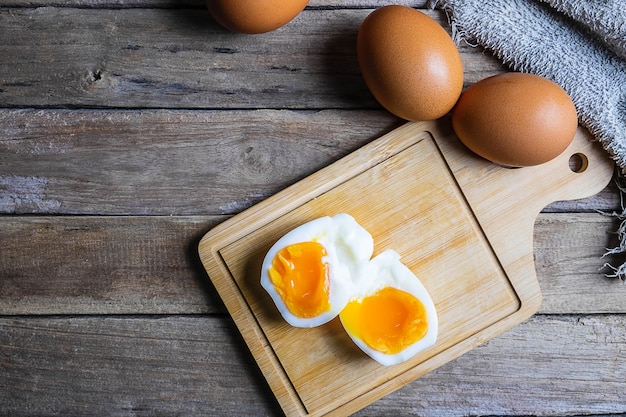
462,224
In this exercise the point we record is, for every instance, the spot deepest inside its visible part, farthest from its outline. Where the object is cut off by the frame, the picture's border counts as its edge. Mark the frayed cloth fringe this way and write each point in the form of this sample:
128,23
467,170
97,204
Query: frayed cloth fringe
618,271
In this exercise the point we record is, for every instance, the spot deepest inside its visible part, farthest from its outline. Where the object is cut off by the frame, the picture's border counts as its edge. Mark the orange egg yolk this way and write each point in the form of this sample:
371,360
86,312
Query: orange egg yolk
388,321
301,278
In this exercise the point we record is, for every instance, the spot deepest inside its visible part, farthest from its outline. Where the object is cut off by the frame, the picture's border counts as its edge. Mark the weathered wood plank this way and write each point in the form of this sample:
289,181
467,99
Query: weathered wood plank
150,265
569,250
167,162
345,4
129,366
163,162
113,265
180,58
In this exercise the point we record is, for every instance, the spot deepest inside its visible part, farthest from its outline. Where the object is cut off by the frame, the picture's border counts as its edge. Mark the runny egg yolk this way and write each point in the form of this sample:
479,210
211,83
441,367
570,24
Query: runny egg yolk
388,321
301,278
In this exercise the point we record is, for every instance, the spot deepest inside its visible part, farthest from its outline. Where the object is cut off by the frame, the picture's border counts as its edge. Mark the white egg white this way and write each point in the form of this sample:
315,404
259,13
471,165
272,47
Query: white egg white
386,270
348,245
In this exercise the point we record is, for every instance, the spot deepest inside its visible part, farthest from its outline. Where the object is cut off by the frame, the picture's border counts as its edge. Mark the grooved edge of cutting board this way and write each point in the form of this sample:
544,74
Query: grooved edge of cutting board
462,224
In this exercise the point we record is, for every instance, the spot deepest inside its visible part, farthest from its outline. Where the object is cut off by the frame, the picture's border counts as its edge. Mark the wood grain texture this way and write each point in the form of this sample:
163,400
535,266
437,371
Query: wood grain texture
127,366
574,245
200,3
180,58
167,162
347,4
150,265
178,162
104,265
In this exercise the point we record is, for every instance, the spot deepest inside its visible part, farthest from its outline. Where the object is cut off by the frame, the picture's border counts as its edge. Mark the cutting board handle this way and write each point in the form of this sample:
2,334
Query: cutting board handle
506,201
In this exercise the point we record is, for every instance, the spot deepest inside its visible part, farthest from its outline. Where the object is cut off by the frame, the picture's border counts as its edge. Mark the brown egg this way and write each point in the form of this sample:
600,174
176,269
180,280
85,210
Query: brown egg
515,119
254,16
409,63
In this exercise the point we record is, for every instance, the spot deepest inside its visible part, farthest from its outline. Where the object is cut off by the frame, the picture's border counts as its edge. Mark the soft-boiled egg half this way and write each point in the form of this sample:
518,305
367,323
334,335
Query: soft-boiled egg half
309,272
324,268
391,317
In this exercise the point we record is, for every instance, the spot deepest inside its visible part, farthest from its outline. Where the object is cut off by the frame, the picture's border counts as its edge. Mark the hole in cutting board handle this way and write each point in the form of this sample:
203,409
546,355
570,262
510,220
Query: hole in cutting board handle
578,163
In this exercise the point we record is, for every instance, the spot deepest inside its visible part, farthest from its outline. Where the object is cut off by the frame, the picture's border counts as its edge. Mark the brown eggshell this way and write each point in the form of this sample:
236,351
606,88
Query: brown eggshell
254,16
515,119
409,63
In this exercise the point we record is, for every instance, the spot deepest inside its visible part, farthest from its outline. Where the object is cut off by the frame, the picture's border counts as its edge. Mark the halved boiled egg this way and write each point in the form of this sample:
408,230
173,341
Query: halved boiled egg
323,268
391,317
311,270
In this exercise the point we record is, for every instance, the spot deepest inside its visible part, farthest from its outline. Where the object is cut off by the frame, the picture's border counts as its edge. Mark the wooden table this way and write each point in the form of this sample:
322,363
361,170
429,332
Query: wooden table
129,128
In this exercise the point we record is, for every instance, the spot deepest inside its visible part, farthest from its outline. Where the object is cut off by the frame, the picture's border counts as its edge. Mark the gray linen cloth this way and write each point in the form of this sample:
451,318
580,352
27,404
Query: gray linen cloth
579,44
